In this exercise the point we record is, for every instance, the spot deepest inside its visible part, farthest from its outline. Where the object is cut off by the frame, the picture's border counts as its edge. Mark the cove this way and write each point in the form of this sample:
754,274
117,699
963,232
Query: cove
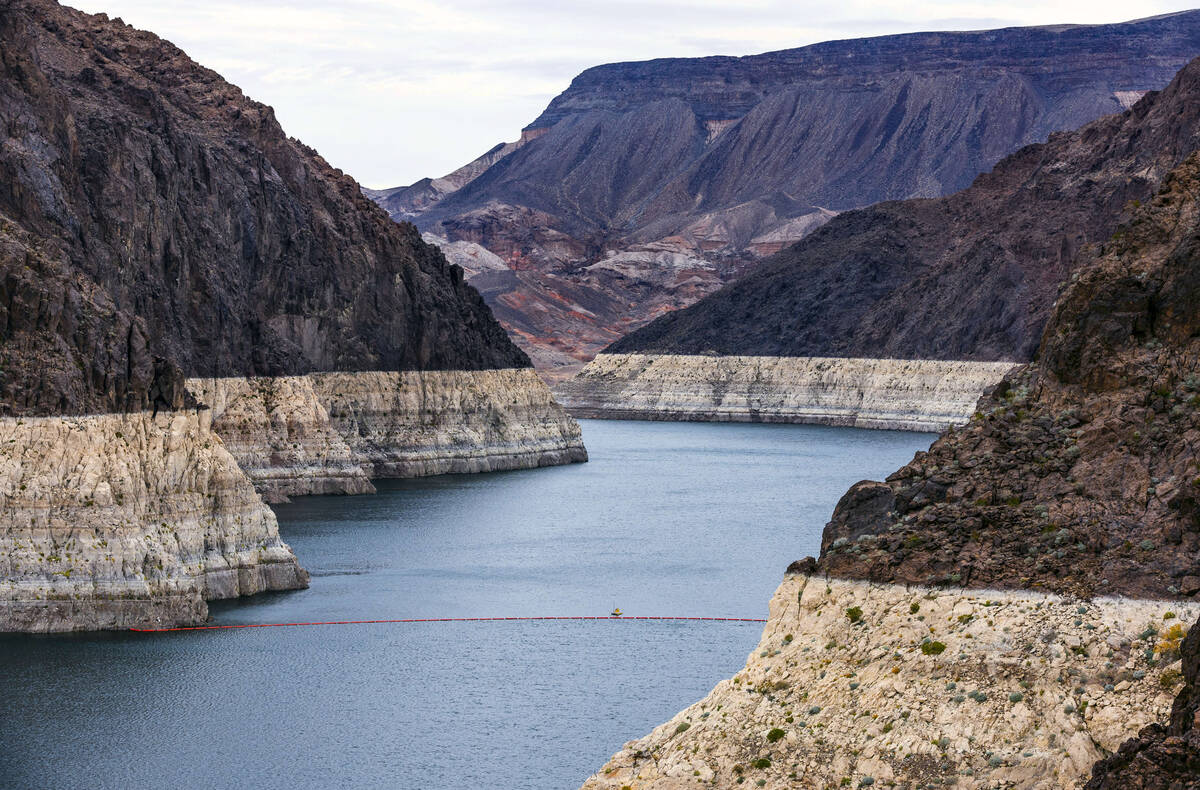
681,519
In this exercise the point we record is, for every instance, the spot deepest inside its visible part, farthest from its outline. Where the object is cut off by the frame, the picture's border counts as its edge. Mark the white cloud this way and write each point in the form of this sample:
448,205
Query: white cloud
393,90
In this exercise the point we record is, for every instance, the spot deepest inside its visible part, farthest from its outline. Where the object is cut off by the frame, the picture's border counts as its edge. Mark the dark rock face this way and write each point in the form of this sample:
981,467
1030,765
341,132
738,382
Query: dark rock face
1080,473
1162,758
840,124
155,223
969,276
733,159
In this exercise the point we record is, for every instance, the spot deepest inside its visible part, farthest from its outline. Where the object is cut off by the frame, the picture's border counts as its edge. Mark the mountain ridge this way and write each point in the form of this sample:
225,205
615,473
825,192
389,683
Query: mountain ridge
159,197
724,161
969,276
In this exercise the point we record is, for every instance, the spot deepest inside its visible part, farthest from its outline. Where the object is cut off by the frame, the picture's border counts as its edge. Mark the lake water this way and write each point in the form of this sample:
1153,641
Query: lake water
680,519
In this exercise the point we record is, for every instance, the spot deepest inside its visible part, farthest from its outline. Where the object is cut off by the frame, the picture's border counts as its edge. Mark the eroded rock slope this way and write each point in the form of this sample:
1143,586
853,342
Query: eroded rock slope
1015,602
157,227
720,161
1079,474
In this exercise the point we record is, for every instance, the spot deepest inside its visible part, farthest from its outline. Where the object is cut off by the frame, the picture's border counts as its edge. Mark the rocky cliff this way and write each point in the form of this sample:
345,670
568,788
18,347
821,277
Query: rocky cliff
1015,602
722,160
279,432
143,179
855,684
128,520
1161,758
420,423
332,433
164,246
1079,473
898,394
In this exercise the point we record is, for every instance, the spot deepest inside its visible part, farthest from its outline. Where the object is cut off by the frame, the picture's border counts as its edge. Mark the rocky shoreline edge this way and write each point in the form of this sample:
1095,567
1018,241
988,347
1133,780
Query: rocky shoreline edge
118,521
857,683
888,394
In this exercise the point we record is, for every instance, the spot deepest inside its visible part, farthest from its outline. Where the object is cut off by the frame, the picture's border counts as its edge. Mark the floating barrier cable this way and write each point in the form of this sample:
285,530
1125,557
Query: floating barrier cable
437,620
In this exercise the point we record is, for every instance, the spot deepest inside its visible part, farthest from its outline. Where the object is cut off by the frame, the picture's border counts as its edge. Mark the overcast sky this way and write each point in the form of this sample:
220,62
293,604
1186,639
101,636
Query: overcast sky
394,90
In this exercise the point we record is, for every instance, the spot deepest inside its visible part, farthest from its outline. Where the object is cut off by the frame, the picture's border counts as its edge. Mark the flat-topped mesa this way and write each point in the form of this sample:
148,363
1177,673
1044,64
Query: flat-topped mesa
972,276
896,394
724,160
164,246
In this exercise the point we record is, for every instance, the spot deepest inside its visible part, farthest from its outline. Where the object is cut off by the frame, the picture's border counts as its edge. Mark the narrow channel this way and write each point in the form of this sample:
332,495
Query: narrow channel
679,519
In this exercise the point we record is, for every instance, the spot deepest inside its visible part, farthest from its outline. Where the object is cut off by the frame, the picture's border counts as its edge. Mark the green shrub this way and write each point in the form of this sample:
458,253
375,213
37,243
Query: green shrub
933,648
775,734
761,762
683,727
916,607
854,614
1015,697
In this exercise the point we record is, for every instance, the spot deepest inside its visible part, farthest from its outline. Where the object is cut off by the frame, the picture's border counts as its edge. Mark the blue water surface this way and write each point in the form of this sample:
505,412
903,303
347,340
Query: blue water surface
688,519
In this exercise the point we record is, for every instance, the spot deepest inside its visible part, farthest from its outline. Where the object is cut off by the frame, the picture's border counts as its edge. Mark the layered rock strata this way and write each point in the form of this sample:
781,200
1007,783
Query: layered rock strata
914,395
859,684
120,521
332,433
156,226
973,275
279,432
729,159
438,422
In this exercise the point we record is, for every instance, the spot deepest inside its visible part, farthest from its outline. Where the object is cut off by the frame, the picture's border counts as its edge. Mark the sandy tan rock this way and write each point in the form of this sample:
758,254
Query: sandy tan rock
119,521
280,435
1006,704
331,433
419,423
921,395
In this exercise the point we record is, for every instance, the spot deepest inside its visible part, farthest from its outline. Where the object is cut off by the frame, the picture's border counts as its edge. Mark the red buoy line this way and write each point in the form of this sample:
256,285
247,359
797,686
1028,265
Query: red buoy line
436,620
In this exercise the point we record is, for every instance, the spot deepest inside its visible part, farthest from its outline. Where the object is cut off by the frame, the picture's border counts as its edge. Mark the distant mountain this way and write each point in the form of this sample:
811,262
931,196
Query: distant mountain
969,276
719,161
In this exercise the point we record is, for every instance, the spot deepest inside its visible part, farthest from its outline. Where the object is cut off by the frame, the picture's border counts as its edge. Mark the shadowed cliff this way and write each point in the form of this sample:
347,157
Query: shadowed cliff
1080,472
155,223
